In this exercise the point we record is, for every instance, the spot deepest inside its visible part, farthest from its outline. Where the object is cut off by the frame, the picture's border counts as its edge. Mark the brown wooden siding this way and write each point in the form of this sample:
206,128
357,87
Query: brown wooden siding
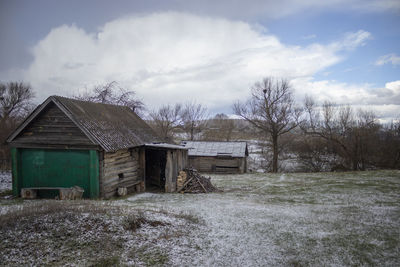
121,163
51,128
218,164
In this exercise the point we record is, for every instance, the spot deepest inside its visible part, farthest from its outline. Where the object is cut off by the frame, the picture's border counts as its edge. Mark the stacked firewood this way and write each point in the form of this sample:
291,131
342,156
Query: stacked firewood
190,181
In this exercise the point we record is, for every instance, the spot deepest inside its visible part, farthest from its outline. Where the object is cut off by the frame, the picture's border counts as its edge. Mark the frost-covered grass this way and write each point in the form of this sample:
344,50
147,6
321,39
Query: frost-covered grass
319,219
293,219
85,233
5,181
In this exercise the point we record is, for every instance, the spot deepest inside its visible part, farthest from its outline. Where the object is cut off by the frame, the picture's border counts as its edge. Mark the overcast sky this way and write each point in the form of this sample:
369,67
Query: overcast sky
211,52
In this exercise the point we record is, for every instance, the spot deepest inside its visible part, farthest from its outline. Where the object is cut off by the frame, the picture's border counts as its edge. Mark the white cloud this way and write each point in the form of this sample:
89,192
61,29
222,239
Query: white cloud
353,40
174,57
388,59
385,101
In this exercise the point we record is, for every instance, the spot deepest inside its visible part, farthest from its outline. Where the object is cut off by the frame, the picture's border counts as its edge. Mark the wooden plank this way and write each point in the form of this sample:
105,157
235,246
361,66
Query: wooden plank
115,179
125,172
168,173
46,124
56,146
57,137
117,183
55,129
111,190
142,163
124,168
111,160
112,157
51,127
69,143
116,153
122,164
115,174
101,173
129,183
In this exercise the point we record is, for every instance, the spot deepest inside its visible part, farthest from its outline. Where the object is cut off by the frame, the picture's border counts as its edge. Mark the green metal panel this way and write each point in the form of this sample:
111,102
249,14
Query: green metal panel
94,174
59,168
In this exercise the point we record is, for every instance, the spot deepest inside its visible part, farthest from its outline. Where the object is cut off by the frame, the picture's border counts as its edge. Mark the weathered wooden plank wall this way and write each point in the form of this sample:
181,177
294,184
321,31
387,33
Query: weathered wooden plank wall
120,169
176,161
218,165
53,127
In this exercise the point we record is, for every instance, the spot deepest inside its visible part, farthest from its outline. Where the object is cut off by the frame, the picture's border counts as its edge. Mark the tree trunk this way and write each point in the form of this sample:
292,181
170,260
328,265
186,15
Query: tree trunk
192,132
275,153
355,154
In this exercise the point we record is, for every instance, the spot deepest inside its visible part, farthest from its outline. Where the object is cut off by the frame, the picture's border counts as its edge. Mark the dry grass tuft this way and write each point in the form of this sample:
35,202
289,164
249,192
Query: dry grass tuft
135,221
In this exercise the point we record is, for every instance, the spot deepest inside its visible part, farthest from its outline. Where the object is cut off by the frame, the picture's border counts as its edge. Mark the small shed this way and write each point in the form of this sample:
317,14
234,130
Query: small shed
100,147
217,157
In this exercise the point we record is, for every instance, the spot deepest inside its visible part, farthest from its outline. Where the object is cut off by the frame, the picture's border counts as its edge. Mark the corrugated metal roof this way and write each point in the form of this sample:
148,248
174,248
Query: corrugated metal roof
112,127
165,145
203,148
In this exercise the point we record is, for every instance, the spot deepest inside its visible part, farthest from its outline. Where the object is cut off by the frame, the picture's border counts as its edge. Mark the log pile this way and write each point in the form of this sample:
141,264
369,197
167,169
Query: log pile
190,181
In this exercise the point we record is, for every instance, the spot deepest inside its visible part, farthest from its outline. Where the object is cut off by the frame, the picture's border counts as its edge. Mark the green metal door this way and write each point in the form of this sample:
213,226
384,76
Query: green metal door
55,168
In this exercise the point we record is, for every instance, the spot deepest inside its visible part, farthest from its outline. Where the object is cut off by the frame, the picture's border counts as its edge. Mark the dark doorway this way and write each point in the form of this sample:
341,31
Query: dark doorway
155,170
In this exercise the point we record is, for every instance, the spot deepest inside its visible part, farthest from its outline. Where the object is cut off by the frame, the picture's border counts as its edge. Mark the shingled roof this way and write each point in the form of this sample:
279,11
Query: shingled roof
110,126
212,149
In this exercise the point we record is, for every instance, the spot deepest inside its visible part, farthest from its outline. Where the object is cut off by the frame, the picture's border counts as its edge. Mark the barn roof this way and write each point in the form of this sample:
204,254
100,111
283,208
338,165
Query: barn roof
204,148
110,126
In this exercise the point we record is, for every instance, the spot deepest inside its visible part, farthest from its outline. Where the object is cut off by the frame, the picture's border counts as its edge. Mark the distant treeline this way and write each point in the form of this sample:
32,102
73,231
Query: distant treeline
328,137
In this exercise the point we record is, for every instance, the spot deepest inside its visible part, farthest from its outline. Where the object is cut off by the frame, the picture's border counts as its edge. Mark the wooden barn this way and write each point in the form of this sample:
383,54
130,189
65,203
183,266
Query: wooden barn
217,157
98,147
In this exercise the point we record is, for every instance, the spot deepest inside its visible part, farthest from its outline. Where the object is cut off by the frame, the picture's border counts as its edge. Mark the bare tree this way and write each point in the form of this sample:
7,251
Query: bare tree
352,135
271,109
15,100
389,156
15,104
111,93
165,120
220,128
193,119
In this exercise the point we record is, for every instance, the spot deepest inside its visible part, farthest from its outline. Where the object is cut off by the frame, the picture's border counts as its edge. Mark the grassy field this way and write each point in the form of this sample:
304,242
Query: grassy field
321,219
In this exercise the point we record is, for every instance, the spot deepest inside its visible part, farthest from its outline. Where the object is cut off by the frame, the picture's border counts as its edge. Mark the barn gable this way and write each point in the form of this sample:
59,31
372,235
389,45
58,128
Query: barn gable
51,127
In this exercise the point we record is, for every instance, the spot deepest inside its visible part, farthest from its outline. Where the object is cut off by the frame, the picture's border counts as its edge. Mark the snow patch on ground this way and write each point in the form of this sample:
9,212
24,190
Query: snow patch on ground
142,196
5,181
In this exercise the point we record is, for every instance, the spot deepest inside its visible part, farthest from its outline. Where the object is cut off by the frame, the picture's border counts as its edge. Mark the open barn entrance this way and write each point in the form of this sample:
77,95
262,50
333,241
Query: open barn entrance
155,169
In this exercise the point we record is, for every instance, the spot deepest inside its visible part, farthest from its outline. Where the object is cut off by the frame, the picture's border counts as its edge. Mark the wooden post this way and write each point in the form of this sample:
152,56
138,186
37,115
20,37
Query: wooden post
142,167
16,183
